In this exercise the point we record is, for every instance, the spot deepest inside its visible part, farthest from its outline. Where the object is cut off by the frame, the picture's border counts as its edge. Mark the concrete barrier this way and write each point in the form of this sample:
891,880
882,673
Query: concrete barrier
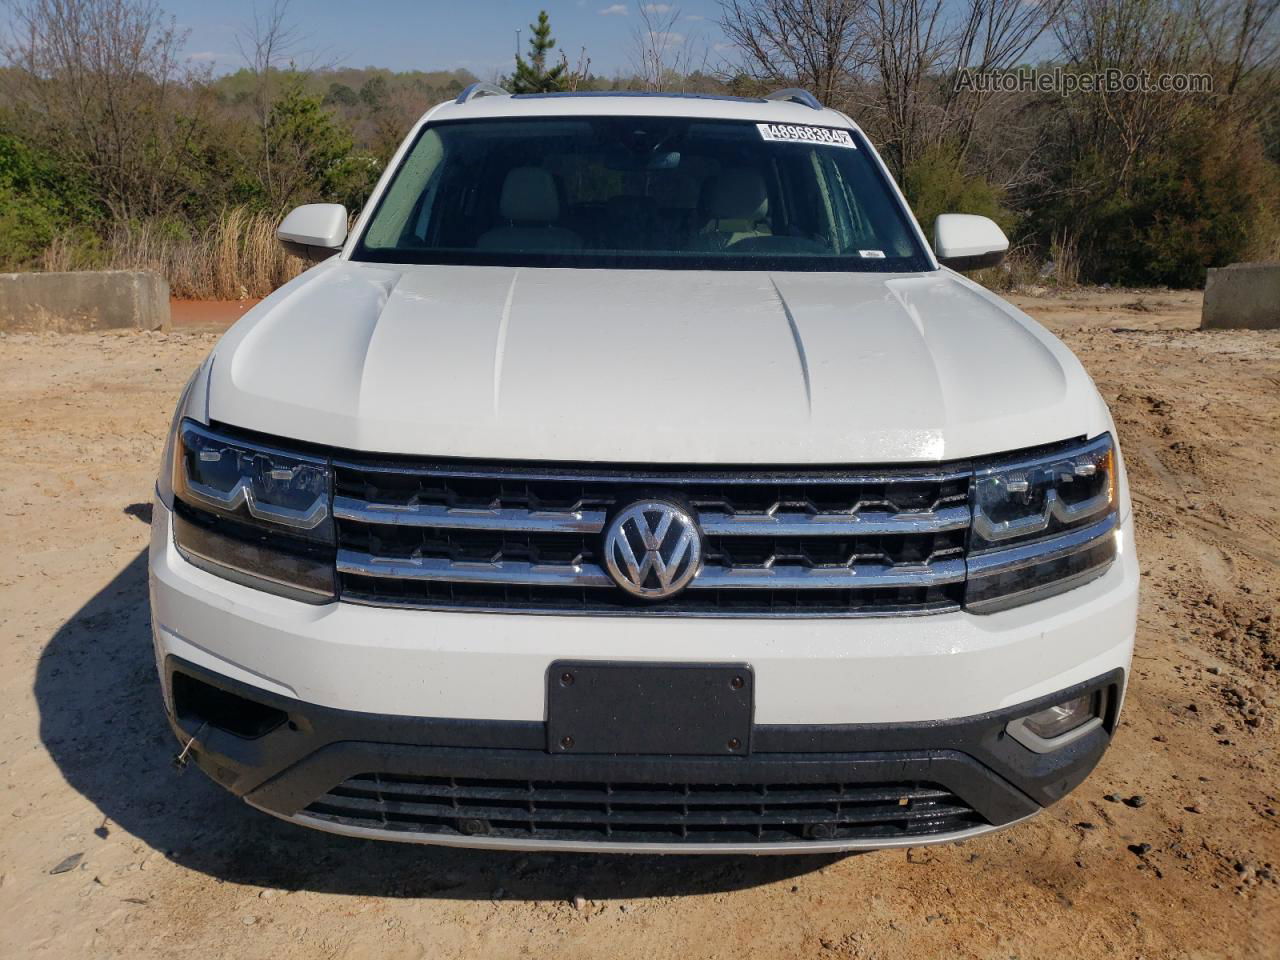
1243,296
88,300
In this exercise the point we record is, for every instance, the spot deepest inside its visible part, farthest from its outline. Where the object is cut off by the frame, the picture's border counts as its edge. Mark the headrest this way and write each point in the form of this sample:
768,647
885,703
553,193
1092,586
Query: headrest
737,195
529,193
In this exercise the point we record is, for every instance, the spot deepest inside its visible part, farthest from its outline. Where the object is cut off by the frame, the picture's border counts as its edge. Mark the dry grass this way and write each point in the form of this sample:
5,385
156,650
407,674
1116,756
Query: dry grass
236,256
1064,253
1018,271
1022,270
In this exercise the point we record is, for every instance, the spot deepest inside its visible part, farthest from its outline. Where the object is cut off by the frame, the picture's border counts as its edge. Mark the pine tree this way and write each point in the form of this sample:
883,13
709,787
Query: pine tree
533,76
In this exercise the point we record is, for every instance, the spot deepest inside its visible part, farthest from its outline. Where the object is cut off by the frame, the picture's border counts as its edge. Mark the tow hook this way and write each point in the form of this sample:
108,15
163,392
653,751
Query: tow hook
180,761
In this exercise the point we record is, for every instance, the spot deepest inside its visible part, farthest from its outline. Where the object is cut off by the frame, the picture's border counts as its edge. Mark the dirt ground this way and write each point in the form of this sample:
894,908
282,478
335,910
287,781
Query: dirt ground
1170,849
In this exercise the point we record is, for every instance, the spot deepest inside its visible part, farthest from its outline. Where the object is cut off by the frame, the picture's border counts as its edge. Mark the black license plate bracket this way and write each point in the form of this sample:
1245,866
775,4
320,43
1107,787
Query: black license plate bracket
670,709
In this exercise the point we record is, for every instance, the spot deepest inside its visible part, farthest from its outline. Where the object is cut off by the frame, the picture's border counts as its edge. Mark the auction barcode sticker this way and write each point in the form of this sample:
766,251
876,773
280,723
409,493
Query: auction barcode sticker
791,133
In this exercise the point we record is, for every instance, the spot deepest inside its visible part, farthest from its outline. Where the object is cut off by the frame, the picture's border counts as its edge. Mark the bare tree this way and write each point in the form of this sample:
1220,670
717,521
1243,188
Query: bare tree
663,56
894,61
1135,37
1241,40
272,45
97,81
910,48
817,44
921,47
575,75
267,45
995,35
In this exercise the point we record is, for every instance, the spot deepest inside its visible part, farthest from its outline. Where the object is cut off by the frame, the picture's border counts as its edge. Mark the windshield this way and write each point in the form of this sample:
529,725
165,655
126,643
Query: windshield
644,192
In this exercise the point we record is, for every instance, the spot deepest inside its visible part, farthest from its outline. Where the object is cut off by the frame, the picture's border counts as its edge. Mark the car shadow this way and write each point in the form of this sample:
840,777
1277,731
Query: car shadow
102,722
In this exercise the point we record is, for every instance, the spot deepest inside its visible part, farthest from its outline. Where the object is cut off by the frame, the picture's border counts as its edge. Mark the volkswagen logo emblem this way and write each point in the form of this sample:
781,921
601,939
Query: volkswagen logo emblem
652,549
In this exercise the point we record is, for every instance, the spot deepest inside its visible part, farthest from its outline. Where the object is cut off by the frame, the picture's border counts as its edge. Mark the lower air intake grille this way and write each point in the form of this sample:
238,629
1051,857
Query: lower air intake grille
643,812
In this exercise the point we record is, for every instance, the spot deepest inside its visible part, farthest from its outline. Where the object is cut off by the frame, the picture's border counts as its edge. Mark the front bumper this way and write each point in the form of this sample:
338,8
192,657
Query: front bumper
862,708
814,788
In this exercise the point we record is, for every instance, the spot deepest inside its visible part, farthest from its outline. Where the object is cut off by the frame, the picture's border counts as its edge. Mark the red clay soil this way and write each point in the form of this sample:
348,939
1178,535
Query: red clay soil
207,314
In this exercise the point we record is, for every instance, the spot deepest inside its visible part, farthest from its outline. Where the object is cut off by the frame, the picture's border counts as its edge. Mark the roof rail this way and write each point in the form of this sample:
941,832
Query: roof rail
481,88
794,95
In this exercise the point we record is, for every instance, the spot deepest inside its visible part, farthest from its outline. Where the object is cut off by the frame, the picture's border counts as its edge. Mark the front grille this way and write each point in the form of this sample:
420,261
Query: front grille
528,538
644,812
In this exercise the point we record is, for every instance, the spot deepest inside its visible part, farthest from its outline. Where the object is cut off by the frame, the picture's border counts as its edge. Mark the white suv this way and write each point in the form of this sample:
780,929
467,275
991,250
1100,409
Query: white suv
636,477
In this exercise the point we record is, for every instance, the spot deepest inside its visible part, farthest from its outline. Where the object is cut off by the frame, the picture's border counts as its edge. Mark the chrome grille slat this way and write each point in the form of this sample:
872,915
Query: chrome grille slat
869,575
458,518
505,571
860,523
647,474
528,538
712,522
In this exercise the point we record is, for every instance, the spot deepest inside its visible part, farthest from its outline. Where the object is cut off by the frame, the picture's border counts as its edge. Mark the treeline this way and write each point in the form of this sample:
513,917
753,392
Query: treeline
1114,184
116,151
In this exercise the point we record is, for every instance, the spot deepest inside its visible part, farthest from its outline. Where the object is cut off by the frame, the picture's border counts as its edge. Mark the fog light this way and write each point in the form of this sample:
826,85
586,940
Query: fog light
1060,718
1059,725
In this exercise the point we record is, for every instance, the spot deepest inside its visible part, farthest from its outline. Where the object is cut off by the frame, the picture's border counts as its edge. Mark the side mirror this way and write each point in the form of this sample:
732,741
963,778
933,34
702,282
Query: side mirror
962,241
314,231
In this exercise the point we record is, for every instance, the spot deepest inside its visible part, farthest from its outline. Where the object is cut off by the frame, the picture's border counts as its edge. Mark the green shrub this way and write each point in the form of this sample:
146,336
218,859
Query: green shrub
27,226
938,183
38,201
311,152
1209,198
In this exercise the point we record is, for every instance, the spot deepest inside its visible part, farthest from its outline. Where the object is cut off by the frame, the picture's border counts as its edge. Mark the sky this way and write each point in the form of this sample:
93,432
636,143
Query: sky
439,35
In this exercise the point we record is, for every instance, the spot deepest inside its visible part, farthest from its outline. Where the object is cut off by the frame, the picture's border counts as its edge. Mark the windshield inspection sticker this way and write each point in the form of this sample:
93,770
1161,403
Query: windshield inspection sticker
790,133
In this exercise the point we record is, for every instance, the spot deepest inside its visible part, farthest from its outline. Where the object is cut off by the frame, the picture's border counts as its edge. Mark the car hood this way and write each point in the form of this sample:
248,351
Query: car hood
648,366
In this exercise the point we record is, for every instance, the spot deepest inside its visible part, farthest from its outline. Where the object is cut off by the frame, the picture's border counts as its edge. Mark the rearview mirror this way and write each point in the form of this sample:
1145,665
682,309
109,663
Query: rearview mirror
963,241
314,231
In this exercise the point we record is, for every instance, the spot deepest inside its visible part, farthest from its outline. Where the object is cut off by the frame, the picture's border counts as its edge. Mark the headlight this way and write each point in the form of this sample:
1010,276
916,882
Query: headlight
253,513
1042,526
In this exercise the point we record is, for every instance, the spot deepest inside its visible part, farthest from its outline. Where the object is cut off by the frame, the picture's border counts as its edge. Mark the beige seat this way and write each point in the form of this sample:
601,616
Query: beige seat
736,206
530,204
